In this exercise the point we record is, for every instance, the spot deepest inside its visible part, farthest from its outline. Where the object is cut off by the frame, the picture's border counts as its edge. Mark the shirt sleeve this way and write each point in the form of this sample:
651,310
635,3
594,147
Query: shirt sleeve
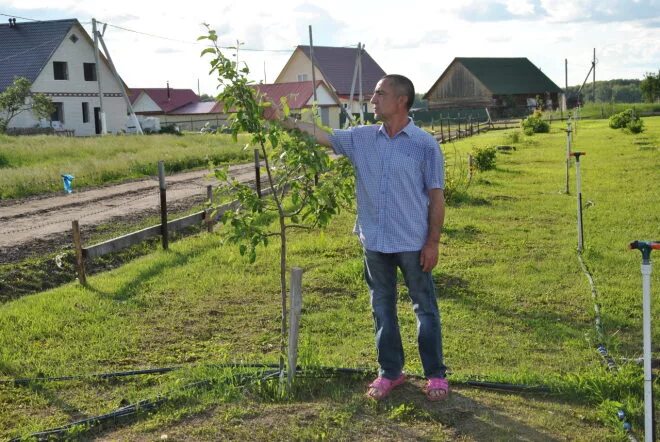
342,142
434,166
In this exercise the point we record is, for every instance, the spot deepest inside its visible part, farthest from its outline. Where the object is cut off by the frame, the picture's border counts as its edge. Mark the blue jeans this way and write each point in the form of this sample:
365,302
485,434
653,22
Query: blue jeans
380,272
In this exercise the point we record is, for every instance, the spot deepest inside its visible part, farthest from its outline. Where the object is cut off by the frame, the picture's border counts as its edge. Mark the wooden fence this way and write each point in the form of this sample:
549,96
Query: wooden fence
208,217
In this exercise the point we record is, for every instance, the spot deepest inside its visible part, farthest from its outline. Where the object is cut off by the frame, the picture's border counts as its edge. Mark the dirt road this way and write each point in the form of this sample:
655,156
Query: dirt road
23,222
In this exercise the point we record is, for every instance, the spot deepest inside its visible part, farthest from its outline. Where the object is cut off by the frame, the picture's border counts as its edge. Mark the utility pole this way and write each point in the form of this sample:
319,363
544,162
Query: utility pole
349,114
98,75
311,56
565,88
360,84
121,85
593,63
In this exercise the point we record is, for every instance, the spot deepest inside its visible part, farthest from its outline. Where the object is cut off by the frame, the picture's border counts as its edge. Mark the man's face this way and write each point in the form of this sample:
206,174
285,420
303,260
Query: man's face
385,100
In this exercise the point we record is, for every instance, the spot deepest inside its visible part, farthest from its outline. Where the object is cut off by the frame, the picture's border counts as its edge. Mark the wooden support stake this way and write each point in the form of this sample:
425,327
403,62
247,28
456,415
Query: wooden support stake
207,212
294,321
163,204
80,260
257,172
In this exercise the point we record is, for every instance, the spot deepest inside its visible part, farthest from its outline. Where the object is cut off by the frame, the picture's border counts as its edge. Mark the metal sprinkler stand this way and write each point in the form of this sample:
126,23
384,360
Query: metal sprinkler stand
649,421
578,186
568,153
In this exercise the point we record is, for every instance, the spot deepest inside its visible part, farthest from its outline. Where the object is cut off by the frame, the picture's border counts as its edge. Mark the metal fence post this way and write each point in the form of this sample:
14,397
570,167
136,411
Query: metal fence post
163,203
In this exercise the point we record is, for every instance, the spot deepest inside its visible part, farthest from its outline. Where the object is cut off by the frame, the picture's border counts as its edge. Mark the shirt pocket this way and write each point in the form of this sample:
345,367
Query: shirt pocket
407,165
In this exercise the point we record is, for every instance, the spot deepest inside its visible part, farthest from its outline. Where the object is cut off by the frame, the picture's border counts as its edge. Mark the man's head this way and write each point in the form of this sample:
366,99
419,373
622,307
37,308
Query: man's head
394,94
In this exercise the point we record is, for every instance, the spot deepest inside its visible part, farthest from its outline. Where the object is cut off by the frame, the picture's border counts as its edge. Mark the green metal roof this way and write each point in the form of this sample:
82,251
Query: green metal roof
509,76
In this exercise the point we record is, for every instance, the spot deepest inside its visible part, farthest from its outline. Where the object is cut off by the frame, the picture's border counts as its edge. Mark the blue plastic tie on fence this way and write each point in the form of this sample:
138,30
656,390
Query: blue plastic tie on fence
67,180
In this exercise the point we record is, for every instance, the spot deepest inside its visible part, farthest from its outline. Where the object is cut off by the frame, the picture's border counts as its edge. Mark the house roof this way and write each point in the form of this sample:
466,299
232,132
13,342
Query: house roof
27,47
338,64
505,76
177,97
201,107
297,94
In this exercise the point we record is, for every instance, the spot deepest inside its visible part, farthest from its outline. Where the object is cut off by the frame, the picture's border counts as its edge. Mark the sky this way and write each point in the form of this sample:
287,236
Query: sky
416,38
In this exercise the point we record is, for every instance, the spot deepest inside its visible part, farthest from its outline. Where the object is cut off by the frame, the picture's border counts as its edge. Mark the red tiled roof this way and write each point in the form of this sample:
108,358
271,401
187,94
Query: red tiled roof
297,93
337,65
177,97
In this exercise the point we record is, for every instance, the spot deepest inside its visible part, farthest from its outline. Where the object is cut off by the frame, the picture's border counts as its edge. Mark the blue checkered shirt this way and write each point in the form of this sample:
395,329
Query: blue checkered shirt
394,176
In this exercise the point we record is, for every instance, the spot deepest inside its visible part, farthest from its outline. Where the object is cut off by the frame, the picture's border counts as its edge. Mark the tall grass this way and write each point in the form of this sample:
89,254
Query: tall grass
31,165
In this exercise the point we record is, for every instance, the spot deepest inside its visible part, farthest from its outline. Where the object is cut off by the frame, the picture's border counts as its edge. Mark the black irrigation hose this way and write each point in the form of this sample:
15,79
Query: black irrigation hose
117,374
125,411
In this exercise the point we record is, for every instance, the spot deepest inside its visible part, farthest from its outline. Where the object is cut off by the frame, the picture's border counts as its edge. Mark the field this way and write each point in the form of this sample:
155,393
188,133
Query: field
516,308
34,165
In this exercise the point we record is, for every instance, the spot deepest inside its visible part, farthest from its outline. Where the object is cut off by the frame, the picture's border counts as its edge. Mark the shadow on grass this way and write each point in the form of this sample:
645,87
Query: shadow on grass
549,326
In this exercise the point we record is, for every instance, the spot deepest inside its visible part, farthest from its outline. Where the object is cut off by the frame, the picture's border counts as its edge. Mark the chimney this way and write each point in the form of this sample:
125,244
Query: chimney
12,22
168,91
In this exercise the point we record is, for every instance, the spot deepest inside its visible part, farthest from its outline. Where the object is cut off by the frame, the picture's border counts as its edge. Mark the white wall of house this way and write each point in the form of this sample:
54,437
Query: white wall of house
299,68
75,90
192,122
144,103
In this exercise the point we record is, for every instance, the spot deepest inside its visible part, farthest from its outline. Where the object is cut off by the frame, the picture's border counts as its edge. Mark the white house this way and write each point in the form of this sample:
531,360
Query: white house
335,66
180,107
57,56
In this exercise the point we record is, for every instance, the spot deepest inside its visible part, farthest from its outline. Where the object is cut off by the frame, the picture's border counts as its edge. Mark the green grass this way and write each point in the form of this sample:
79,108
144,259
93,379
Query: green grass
605,110
515,308
34,165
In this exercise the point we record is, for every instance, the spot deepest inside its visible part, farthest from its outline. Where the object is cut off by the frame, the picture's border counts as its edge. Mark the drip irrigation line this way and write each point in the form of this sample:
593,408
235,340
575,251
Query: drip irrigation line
129,410
118,374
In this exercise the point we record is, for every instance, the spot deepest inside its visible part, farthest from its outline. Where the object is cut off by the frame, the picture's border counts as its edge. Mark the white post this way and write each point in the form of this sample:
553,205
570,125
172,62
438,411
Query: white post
294,321
568,154
648,375
104,129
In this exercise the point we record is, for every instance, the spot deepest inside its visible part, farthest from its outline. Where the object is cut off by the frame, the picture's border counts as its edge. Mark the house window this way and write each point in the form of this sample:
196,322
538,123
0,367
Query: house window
58,115
85,112
60,70
73,38
302,77
90,71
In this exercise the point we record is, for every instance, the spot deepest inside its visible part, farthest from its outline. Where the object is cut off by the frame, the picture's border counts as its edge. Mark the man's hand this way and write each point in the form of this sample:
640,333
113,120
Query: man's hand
428,258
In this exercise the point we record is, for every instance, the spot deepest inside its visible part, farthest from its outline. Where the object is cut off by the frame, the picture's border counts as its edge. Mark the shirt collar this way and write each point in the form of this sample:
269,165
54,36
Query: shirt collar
407,129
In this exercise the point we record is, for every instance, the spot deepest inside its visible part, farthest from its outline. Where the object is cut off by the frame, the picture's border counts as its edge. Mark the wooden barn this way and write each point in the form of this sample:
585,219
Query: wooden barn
505,86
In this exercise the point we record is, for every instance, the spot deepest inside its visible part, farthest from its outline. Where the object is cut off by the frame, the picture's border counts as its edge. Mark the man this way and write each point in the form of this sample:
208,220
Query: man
400,180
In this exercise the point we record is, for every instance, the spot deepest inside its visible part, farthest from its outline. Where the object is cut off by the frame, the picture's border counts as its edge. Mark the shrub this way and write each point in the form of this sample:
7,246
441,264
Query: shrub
457,178
484,158
535,124
628,119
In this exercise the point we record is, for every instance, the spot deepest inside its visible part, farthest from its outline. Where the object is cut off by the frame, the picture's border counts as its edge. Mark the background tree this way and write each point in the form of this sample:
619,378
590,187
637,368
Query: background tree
307,187
17,99
650,87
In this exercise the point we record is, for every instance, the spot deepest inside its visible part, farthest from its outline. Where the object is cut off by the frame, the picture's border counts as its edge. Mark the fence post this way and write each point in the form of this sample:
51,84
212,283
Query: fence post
80,259
294,321
209,210
163,203
448,129
257,172
442,134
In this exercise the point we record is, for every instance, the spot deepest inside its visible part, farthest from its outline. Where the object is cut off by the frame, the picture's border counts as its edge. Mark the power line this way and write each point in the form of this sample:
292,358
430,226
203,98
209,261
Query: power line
16,16
191,42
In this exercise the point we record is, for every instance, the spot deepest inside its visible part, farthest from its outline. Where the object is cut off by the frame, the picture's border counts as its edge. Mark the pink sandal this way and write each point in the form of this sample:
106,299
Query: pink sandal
382,387
437,389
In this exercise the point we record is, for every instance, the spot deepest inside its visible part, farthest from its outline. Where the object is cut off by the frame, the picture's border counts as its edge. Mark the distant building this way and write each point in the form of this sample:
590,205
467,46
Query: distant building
502,85
300,96
335,66
57,57
180,107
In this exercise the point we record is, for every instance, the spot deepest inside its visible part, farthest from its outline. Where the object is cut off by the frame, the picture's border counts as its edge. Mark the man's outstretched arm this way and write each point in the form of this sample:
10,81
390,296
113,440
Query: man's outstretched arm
321,136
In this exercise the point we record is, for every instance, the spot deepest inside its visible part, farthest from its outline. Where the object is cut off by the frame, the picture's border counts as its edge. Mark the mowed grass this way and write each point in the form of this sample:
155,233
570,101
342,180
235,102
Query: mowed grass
515,308
31,165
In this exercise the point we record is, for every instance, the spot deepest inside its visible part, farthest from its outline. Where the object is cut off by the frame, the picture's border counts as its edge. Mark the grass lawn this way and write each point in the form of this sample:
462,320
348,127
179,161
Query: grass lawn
32,165
515,306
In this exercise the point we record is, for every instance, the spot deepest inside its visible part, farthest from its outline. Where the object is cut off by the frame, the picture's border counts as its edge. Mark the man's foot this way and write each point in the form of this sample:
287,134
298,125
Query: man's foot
381,387
436,389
